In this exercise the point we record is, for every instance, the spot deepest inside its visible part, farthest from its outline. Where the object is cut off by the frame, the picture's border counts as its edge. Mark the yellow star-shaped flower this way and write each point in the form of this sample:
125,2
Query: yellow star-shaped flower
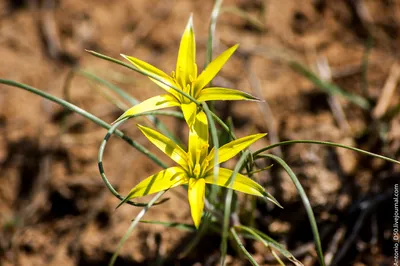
185,78
195,167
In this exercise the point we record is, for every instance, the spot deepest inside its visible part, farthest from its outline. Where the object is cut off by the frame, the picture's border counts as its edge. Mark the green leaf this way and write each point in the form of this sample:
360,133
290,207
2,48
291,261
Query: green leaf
181,226
269,242
306,204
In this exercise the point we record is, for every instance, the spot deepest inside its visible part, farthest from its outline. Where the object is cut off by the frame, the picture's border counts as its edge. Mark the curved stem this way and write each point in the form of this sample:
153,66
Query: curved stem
101,168
85,114
98,121
306,204
256,154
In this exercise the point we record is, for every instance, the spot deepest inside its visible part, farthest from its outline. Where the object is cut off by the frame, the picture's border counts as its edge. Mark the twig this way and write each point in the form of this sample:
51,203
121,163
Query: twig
325,74
387,91
334,245
265,109
366,208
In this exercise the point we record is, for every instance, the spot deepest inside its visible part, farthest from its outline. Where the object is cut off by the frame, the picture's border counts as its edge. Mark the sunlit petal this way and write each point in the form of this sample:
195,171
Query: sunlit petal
166,179
152,70
213,68
166,145
151,104
189,111
234,147
198,135
224,94
185,65
242,183
196,199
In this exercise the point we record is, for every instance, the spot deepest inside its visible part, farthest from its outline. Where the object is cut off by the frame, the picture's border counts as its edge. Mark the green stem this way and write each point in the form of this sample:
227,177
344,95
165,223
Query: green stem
211,30
133,225
85,114
146,73
332,144
228,207
242,248
306,204
101,167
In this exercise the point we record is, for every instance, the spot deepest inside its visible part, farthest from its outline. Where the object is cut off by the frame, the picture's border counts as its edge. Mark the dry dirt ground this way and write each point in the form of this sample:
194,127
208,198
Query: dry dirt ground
54,208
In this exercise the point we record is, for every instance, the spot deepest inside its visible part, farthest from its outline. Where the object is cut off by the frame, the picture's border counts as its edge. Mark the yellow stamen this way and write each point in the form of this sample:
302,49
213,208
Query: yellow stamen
197,169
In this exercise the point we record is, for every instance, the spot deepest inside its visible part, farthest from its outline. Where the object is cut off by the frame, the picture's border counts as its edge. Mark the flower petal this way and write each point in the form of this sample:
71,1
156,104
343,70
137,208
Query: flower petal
189,112
151,104
196,199
242,183
224,94
234,147
153,71
186,63
166,179
166,145
213,68
198,136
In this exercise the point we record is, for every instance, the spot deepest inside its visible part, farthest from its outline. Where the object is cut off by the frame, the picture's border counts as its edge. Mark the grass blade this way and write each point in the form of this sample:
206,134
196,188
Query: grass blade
329,87
116,61
242,248
211,30
101,168
269,243
331,144
85,114
244,15
306,204
181,226
132,101
227,211
132,226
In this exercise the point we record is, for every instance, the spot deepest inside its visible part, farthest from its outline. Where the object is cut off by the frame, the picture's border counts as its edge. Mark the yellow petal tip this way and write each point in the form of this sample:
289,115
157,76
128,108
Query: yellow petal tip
189,25
235,47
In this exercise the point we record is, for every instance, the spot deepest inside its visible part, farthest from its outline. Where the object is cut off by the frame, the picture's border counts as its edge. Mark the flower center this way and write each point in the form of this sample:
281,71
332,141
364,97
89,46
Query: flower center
185,87
200,162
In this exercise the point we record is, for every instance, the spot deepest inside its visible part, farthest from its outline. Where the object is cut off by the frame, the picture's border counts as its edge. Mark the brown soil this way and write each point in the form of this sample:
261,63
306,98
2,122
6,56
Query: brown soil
55,210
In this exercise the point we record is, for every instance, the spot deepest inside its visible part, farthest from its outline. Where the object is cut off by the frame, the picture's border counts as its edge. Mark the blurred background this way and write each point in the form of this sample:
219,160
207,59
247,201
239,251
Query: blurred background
55,209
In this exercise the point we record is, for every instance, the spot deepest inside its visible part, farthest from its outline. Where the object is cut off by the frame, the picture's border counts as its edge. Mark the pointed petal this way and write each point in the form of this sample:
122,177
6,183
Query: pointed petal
166,179
151,104
242,183
213,68
185,65
189,112
198,136
152,70
234,147
166,145
196,199
224,94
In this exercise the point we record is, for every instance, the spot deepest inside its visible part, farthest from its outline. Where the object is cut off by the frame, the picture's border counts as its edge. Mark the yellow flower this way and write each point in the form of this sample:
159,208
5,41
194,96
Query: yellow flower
195,167
185,79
